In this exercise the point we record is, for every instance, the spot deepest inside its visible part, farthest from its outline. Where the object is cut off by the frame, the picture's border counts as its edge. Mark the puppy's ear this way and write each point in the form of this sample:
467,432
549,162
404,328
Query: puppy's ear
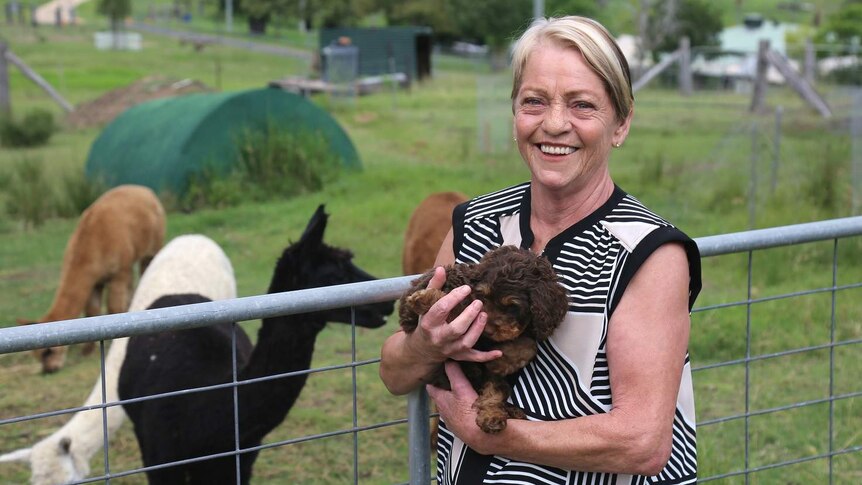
549,304
24,321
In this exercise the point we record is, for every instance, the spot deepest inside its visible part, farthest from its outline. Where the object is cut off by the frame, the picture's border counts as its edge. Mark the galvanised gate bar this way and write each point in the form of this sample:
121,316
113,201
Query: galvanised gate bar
731,449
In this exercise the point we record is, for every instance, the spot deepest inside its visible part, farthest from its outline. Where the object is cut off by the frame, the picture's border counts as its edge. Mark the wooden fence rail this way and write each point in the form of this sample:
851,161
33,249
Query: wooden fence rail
8,57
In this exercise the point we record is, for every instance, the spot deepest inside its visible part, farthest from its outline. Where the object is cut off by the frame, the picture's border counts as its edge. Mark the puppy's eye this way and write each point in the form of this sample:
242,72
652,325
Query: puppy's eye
481,290
512,303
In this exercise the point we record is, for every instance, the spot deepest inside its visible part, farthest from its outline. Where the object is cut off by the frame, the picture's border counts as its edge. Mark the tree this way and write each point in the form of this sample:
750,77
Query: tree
584,8
259,13
437,14
843,25
664,22
699,20
493,22
116,11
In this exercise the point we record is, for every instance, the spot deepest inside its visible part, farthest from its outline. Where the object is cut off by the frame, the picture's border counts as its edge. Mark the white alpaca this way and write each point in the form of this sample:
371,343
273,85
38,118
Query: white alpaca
188,264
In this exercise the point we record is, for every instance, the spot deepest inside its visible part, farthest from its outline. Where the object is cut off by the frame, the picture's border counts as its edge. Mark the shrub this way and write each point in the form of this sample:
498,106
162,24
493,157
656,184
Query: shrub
285,163
78,194
270,163
850,75
35,129
29,196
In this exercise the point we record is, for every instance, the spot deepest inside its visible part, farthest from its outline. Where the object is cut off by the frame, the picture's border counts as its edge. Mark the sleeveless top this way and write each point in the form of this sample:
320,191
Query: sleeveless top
595,259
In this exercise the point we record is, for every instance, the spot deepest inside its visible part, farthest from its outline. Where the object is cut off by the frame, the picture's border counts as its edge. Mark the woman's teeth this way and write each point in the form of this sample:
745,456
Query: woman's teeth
556,150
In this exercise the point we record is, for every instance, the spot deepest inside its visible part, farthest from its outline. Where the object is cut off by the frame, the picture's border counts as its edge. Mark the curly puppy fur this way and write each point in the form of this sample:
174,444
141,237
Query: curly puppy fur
524,302
126,225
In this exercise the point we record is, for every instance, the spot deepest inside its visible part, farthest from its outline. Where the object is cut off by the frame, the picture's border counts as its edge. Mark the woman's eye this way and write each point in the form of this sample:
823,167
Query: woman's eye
532,102
582,105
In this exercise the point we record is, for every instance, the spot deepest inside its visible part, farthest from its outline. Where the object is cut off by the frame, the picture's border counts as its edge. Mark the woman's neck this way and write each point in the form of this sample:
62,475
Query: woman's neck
552,212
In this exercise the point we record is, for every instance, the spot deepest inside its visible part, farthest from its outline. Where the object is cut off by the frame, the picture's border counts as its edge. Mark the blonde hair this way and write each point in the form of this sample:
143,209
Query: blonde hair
593,41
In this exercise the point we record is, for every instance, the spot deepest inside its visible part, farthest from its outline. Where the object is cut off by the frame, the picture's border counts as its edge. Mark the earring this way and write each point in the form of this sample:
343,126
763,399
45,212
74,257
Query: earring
515,139
617,145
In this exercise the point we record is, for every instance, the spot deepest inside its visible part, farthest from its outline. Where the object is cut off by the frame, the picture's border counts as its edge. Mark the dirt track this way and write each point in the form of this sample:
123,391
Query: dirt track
47,14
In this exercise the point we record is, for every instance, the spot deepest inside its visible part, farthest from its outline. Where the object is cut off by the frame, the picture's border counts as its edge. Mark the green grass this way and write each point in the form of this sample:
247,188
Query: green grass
689,159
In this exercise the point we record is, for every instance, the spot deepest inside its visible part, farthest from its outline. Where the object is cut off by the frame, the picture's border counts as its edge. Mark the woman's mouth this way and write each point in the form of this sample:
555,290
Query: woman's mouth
556,149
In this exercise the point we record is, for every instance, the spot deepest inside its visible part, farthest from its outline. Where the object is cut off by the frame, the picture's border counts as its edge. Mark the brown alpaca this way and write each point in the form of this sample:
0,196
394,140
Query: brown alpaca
524,302
428,225
124,226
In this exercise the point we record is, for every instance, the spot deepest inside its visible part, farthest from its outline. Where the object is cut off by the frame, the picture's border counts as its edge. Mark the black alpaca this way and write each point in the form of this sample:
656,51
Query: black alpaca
202,423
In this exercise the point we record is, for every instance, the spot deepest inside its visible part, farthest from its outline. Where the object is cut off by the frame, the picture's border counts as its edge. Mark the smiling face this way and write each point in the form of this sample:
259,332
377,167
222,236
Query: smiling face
565,123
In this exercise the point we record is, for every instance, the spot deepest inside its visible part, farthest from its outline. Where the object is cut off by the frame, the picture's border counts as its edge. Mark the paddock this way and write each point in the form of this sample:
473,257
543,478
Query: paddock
747,412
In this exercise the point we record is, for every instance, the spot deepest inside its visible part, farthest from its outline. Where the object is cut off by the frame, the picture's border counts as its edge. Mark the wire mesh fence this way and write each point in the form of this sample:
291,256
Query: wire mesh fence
775,351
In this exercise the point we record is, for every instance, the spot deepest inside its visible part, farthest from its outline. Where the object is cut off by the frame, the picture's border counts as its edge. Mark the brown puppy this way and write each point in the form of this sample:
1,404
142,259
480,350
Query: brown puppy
524,302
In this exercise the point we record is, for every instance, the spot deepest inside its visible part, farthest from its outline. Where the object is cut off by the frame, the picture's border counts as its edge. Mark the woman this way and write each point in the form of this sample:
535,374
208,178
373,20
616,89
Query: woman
609,396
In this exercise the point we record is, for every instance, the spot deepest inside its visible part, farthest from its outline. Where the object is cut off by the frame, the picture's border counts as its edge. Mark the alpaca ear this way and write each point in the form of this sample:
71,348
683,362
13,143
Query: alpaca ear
313,234
17,455
65,444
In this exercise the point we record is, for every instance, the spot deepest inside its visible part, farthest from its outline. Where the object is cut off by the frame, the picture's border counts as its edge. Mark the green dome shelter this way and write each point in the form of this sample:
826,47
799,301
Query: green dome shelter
161,143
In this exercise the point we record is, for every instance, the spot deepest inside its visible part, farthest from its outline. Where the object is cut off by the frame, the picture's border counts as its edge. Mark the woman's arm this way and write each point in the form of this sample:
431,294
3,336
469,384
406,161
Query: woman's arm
408,360
647,344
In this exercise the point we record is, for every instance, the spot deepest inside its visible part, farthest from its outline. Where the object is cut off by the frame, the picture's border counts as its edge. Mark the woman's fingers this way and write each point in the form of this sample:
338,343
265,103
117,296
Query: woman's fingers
438,313
438,279
457,380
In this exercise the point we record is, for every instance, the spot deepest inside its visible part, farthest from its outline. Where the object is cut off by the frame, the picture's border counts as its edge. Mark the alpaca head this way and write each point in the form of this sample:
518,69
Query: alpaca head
309,263
52,462
52,358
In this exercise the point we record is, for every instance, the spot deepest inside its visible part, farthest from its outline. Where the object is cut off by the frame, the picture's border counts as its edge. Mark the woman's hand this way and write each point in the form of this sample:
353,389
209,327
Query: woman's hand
409,360
456,406
438,340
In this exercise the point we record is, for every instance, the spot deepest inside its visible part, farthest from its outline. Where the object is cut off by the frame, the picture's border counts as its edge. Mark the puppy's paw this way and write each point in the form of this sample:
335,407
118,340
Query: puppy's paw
422,300
515,412
491,423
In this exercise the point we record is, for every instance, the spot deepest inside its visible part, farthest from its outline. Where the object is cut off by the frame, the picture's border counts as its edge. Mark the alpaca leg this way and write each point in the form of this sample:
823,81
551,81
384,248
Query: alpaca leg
142,266
119,291
91,309
167,476
220,470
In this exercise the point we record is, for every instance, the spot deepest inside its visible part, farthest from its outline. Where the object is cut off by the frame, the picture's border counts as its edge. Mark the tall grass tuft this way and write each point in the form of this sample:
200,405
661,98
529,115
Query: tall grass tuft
78,193
825,185
34,129
271,164
286,163
29,196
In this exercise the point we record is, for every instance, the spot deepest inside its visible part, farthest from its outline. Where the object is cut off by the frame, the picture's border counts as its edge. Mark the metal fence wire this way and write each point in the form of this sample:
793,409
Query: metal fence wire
736,445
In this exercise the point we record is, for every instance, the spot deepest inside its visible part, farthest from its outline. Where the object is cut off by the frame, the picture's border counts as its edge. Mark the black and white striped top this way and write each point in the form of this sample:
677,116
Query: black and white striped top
595,259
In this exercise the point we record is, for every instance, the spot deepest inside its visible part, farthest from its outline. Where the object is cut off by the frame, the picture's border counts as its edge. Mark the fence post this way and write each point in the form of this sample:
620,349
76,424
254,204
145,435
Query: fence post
685,82
5,105
759,93
856,142
776,148
809,62
752,180
418,437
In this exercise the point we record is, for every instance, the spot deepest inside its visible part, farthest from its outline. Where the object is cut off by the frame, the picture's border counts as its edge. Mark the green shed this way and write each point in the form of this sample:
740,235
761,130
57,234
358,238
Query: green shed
382,49
160,143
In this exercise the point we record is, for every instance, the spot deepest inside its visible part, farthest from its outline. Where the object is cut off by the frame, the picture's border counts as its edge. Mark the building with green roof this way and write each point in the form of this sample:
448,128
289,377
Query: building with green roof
162,143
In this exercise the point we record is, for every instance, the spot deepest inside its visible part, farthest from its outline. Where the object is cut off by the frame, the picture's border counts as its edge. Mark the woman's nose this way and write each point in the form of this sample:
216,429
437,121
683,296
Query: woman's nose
556,120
